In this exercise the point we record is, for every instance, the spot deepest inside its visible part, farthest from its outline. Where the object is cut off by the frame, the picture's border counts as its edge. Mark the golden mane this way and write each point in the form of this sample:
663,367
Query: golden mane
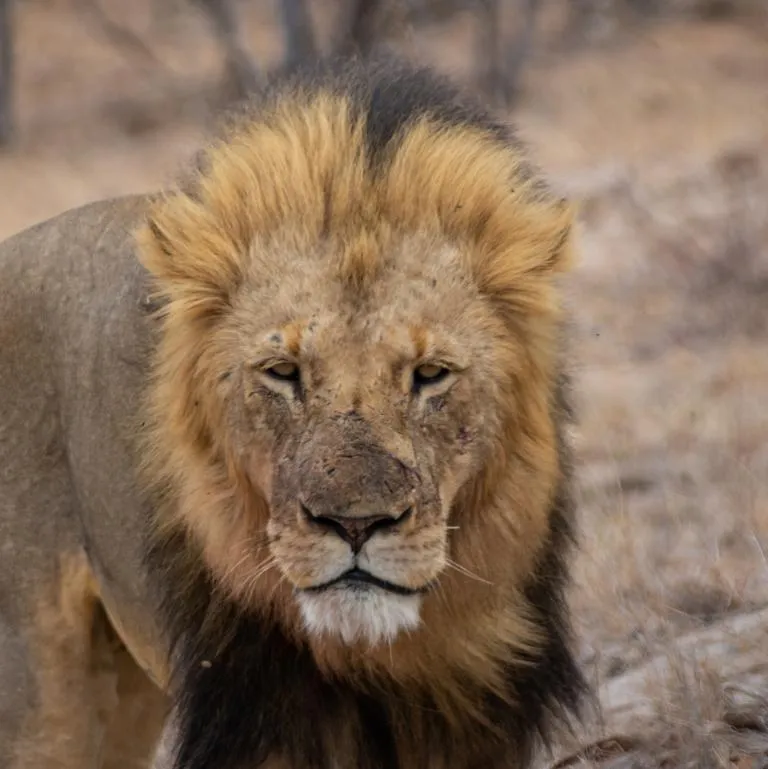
301,170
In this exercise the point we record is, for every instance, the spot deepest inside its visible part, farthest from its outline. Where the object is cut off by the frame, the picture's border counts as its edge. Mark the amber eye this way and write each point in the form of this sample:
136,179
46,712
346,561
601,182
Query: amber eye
285,371
429,374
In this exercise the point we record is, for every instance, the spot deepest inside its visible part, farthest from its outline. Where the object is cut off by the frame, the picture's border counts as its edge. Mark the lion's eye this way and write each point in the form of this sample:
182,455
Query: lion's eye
284,371
429,373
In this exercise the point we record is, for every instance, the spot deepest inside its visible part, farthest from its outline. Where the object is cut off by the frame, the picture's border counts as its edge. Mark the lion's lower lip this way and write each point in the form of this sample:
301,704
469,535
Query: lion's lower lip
360,577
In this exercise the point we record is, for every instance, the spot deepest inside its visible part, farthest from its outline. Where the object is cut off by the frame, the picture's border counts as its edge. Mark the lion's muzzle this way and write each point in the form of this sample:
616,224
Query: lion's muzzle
356,530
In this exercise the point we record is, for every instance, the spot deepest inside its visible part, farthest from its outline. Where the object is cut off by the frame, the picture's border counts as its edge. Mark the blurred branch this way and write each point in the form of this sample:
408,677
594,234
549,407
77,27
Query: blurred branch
243,71
501,59
299,35
521,50
121,37
361,23
6,72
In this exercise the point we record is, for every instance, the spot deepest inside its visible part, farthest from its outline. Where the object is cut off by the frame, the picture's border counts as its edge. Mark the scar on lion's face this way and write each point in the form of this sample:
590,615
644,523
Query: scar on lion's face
379,404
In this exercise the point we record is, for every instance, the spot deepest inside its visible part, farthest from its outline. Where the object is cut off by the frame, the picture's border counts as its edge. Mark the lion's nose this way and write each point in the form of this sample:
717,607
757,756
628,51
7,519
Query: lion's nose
353,529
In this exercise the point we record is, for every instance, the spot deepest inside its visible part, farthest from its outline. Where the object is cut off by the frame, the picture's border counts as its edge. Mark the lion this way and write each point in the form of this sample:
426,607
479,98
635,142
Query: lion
288,442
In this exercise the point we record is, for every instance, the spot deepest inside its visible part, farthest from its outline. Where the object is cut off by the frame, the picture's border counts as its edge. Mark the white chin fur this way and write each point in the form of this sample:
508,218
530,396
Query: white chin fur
368,614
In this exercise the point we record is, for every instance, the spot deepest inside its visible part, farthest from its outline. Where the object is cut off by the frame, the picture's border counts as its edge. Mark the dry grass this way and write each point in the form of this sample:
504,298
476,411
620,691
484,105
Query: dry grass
674,459
665,138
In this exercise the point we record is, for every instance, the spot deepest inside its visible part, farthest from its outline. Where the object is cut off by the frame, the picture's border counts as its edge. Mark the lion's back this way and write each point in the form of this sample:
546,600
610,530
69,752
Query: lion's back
72,352
60,282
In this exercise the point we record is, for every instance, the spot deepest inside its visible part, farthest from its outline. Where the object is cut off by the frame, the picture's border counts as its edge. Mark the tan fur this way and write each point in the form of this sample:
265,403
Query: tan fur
67,641
289,202
135,727
69,691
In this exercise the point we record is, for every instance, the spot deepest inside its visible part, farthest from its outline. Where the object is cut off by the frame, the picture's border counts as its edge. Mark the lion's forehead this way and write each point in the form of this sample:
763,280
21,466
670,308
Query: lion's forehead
407,276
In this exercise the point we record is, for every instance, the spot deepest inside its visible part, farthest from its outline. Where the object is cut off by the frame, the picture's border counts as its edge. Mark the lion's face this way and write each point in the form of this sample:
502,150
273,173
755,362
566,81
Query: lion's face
359,415
356,374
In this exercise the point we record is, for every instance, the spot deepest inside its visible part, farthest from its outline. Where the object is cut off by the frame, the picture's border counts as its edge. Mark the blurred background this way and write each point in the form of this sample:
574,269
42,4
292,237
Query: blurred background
653,115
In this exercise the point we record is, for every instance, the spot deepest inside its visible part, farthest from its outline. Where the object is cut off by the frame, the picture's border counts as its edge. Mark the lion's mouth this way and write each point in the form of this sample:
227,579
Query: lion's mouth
359,578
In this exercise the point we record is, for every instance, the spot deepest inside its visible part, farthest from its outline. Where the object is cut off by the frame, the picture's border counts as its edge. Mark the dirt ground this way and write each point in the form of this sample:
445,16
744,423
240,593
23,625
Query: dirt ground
662,133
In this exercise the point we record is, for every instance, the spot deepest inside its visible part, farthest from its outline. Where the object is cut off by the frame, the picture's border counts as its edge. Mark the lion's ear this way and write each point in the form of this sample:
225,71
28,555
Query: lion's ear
525,244
549,235
152,303
189,253
560,255
161,240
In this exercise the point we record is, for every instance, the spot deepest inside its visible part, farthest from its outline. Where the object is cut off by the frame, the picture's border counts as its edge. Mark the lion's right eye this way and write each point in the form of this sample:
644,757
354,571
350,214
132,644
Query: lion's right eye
429,374
284,371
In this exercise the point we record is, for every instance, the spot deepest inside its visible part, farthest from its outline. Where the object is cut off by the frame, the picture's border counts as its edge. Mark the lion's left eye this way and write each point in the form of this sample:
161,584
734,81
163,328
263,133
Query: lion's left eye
428,374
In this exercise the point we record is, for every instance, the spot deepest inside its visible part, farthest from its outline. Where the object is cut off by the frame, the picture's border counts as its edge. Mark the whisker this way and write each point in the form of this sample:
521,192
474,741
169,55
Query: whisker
235,566
252,543
262,569
253,579
261,539
466,572
280,582
440,592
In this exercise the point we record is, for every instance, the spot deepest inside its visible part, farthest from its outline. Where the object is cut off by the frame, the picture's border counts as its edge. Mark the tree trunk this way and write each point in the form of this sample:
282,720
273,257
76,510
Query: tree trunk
704,696
734,652
6,72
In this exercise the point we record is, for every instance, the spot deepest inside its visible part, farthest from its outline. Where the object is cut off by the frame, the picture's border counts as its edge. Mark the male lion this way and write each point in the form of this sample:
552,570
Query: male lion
301,453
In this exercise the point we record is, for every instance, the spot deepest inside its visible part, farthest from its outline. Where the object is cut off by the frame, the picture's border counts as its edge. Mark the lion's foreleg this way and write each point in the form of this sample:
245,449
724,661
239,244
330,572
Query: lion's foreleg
57,676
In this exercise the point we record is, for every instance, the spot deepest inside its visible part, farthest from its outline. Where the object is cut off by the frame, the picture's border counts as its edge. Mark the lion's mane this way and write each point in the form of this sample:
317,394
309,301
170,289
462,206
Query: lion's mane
309,153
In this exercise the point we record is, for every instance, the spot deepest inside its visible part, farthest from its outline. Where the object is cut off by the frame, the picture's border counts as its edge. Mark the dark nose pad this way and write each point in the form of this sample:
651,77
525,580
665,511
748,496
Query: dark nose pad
356,531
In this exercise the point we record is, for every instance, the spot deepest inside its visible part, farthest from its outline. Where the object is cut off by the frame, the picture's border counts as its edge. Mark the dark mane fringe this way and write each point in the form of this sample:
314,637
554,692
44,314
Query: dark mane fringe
390,93
245,692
